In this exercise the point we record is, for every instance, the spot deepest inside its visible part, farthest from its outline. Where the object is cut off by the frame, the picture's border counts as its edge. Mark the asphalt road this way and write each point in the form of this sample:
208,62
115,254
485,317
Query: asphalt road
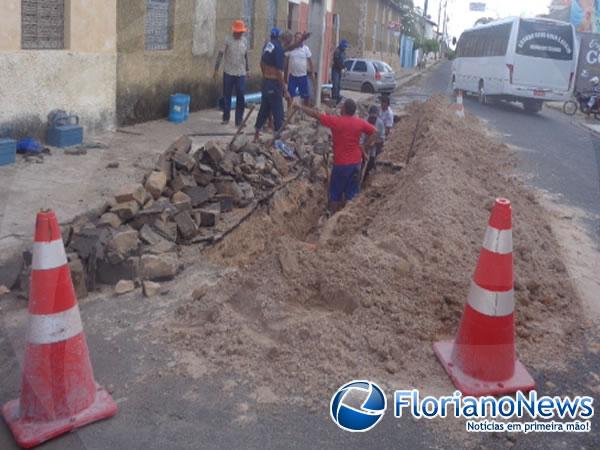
556,152
160,408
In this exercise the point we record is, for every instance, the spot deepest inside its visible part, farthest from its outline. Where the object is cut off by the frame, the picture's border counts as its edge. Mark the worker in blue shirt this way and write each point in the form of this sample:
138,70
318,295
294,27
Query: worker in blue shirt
337,69
273,85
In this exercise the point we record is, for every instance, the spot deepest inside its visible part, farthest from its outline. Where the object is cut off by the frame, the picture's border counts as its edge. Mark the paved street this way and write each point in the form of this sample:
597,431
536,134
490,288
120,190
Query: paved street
160,408
556,152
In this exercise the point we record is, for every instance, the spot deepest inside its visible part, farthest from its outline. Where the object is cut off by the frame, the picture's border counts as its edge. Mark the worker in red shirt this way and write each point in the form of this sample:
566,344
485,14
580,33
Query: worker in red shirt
348,156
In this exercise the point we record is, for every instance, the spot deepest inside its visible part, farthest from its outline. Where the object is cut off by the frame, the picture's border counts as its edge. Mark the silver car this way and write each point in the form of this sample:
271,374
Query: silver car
368,75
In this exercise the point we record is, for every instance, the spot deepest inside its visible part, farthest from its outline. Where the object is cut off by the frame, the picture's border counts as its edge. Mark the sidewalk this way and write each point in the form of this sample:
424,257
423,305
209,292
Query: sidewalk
589,123
74,184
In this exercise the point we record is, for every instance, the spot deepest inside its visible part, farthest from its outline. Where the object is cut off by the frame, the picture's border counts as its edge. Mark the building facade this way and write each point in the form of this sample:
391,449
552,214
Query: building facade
116,62
168,46
56,54
373,28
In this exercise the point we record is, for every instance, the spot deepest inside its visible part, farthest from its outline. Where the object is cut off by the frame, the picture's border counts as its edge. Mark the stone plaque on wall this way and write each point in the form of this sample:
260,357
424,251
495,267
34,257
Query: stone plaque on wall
205,22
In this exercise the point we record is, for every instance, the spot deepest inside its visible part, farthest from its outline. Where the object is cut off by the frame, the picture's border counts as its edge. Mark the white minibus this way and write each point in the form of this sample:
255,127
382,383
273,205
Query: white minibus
517,59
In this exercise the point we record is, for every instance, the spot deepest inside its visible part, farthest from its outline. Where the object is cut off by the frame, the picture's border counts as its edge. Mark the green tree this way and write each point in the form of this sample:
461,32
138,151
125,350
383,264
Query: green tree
408,16
431,46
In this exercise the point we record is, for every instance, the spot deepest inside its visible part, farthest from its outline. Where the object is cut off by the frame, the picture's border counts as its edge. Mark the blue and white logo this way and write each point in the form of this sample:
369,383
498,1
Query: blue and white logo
358,406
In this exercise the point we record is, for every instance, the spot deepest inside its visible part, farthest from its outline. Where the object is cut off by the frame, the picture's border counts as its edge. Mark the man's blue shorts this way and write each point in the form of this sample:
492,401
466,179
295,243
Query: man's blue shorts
298,86
345,182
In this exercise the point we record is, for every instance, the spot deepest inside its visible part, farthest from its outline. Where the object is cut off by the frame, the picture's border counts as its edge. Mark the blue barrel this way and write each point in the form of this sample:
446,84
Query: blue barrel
179,108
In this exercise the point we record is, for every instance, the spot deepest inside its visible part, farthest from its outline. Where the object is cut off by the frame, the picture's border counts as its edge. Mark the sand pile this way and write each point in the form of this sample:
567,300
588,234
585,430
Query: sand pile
365,295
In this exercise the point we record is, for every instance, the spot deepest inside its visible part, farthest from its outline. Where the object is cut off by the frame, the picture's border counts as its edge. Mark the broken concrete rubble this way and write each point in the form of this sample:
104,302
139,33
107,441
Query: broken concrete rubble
136,235
130,193
240,143
183,161
109,273
228,186
185,224
124,286
149,236
203,174
78,277
225,202
181,201
215,152
182,181
200,195
150,288
168,230
156,183
126,211
123,244
158,268
110,219
208,217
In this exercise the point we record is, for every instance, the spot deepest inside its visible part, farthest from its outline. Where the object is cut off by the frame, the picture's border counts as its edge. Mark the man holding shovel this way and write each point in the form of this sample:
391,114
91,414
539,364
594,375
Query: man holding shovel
348,155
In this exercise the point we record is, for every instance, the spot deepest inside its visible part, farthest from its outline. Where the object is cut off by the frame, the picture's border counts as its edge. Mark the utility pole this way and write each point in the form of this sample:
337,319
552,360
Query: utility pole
439,20
425,7
445,22
439,27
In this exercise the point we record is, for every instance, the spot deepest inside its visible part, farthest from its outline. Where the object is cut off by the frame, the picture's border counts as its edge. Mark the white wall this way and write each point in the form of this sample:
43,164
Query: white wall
205,22
32,83
80,79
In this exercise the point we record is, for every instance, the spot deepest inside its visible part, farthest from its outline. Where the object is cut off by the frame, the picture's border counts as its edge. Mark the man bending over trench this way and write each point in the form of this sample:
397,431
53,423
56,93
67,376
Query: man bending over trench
348,155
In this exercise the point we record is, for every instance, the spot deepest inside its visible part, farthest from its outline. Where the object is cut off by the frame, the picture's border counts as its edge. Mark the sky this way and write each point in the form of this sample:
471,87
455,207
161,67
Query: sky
461,18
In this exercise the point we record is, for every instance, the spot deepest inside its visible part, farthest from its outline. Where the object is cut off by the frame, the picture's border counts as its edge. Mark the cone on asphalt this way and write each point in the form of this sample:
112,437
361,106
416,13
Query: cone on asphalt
460,106
482,359
58,390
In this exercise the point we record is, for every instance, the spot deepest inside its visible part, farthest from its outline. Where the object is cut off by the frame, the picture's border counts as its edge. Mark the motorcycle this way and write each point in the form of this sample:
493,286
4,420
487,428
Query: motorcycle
582,102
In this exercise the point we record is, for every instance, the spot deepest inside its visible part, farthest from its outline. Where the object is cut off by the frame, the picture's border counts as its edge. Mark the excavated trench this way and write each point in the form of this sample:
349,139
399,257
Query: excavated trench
312,303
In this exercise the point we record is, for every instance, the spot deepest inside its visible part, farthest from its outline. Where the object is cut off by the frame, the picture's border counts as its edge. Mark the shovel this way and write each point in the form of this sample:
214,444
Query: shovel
241,127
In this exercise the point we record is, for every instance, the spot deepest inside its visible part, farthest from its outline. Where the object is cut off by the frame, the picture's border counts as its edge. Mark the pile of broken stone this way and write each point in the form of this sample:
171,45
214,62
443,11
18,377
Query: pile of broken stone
191,197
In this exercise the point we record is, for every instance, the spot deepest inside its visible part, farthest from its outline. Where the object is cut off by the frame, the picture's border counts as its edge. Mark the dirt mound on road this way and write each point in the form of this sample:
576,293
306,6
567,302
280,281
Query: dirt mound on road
366,294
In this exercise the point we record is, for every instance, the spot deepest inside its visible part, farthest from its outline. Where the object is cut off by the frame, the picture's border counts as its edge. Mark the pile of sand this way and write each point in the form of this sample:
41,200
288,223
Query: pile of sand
366,294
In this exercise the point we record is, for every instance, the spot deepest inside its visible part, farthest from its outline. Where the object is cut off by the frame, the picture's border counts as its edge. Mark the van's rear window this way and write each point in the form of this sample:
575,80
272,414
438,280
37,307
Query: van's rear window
545,40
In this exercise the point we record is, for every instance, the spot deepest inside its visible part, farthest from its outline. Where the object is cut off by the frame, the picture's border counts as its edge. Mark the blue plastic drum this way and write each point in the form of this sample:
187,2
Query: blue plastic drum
179,108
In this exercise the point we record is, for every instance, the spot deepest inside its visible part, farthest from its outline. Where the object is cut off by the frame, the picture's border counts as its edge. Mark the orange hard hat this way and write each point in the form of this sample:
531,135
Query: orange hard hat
238,26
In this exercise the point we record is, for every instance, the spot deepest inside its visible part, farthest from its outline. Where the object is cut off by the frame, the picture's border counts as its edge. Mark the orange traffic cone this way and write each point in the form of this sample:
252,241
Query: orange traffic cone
58,391
460,107
481,360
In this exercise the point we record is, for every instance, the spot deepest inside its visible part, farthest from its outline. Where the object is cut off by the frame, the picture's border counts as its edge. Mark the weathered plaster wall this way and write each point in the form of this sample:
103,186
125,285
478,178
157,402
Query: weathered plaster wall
361,20
80,79
146,79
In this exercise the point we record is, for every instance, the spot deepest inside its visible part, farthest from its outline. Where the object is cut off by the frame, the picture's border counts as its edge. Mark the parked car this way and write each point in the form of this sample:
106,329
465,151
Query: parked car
367,75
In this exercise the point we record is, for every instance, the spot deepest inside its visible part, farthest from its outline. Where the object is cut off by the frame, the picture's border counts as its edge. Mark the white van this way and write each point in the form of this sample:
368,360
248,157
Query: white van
522,60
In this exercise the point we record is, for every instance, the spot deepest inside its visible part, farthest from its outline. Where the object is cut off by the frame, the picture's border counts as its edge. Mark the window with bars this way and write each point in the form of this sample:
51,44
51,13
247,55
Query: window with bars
42,24
159,24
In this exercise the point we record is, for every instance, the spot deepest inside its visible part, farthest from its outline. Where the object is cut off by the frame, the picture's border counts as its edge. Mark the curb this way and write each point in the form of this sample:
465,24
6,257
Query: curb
578,120
414,76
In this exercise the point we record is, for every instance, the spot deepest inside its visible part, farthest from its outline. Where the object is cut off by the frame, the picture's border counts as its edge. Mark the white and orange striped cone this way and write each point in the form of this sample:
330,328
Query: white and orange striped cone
58,391
460,106
482,360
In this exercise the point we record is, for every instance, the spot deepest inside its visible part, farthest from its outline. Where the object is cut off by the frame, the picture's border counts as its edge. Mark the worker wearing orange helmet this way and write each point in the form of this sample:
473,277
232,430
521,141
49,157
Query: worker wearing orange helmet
235,69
